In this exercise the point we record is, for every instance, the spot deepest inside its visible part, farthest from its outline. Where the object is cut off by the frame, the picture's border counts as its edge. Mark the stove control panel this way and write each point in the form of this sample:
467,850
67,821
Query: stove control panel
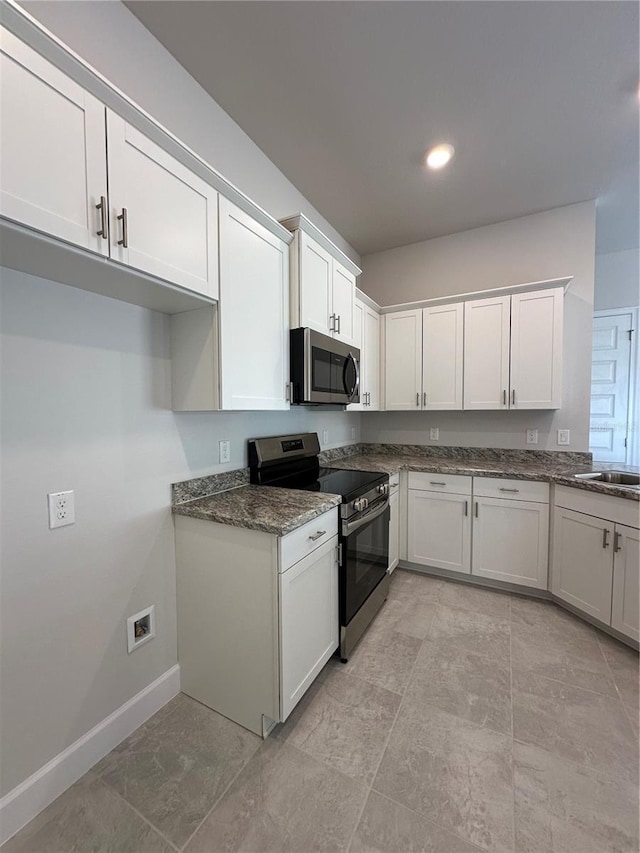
360,504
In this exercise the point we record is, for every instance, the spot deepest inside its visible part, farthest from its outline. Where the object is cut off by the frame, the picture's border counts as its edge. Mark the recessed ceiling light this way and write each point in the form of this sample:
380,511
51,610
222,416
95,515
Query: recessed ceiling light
439,156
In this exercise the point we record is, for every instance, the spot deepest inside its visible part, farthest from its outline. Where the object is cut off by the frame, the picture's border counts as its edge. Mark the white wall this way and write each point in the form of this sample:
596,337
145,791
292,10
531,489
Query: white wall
86,406
546,245
617,280
111,39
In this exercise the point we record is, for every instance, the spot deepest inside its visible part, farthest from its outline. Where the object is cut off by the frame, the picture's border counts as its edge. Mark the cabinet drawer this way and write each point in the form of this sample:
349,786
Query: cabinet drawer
451,483
515,490
297,544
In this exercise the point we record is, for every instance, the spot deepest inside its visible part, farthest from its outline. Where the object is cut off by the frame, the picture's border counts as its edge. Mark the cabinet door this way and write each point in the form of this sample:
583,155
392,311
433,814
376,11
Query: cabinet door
371,357
358,329
53,157
308,622
511,541
626,586
403,360
536,349
442,349
254,311
582,569
486,353
394,530
439,530
344,299
315,280
170,213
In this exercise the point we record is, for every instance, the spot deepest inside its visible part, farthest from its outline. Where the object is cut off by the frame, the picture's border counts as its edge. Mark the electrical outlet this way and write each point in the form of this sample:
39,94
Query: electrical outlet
532,436
563,437
325,437
225,451
62,509
353,433
434,434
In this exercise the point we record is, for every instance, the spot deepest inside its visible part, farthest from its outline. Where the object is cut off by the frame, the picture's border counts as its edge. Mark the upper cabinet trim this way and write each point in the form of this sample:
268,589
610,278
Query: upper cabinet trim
27,28
371,303
547,284
301,223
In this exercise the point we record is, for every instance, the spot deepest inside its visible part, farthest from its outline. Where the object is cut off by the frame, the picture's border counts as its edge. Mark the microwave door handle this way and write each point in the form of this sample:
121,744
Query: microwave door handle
351,393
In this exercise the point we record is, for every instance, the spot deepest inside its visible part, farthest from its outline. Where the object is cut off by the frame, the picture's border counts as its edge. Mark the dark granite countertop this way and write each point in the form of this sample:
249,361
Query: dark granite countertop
271,510
549,471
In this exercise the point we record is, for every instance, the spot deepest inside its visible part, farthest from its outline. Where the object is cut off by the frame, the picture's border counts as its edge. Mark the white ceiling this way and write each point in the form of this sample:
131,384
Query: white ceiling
539,99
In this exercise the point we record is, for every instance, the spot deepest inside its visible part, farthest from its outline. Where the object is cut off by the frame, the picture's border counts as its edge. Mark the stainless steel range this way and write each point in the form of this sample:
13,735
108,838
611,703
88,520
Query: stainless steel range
291,462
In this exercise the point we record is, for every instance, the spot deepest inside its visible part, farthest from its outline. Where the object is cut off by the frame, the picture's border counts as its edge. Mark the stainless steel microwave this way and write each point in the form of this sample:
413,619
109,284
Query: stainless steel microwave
323,370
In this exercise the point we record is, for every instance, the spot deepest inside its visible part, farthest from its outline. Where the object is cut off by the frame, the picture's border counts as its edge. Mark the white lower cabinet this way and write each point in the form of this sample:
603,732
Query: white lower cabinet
626,586
439,529
582,562
511,534
257,615
394,521
596,557
308,622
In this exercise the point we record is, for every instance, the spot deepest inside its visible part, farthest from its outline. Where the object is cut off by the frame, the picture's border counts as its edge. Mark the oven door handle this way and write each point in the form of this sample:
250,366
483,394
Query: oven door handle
351,394
351,526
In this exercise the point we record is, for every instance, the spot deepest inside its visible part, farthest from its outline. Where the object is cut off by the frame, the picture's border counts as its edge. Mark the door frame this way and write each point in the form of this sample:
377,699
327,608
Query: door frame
633,406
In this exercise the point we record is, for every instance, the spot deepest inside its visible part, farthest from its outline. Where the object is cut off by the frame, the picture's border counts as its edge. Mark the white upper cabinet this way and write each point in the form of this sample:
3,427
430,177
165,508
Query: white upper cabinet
163,216
371,358
315,286
344,300
358,341
323,283
403,360
235,355
254,313
442,350
52,150
536,349
486,353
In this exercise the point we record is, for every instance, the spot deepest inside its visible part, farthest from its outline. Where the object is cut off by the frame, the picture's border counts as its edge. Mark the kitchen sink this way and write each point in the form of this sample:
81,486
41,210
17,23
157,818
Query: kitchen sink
613,478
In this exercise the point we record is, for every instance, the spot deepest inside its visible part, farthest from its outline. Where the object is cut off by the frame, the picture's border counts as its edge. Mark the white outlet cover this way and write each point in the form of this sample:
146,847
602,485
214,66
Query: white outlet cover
434,434
532,436
353,433
62,509
325,436
134,642
225,451
564,436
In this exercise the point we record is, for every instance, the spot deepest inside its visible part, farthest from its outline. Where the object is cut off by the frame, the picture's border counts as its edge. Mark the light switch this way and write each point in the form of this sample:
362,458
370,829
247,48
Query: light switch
563,436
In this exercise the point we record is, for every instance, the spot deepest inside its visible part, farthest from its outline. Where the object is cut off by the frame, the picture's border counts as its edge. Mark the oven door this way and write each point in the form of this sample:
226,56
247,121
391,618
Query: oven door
365,557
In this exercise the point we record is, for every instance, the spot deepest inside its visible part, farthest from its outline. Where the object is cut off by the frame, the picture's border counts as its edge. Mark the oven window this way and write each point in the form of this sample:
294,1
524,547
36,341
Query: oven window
365,562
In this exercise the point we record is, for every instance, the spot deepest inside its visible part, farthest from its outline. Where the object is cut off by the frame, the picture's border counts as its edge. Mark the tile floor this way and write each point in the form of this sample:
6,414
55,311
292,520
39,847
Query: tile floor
466,720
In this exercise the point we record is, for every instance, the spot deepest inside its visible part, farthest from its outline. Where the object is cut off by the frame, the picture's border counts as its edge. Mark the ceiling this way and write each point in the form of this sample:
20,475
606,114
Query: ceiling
540,100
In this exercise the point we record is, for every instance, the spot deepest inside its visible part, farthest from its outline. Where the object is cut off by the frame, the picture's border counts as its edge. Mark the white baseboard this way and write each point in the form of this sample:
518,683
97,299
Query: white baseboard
30,797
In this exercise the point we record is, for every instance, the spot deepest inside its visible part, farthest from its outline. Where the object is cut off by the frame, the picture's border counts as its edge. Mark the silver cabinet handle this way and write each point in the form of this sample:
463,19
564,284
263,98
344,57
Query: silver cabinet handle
102,207
317,535
332,322
605,538
466,508
476,509
513,397
339,322
436,483
509,490
125,229
424,398
617,538
417,398
368,398
504,397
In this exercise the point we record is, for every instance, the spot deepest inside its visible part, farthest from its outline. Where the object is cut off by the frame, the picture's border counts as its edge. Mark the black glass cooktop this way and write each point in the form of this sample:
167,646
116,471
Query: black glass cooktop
335,481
